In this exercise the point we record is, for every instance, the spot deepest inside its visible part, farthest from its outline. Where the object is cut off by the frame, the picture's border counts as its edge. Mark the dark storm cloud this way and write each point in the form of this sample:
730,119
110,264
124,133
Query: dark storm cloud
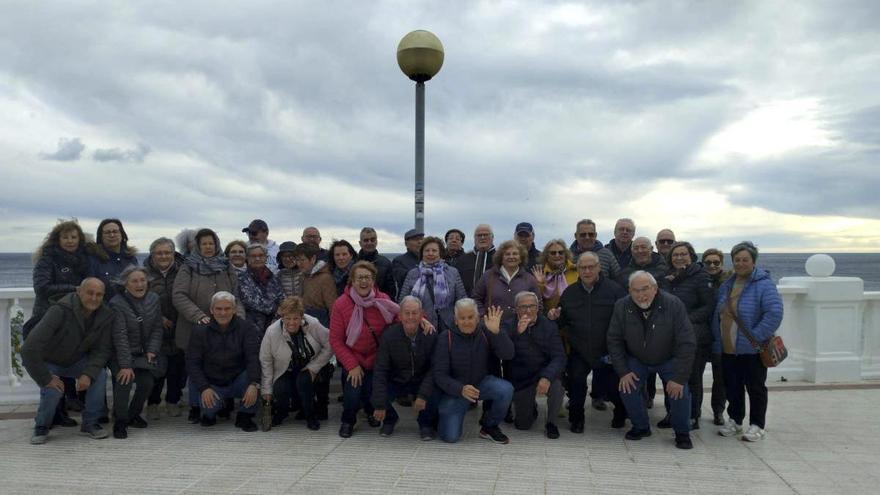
69,150
122,155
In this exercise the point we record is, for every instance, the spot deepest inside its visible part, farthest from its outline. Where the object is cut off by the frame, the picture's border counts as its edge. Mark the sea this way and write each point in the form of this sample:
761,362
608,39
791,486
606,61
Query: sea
16,269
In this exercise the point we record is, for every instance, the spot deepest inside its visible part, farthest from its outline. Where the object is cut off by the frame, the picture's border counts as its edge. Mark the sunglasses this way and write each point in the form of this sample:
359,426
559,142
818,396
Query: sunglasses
665,241
712,263
555,253
583,235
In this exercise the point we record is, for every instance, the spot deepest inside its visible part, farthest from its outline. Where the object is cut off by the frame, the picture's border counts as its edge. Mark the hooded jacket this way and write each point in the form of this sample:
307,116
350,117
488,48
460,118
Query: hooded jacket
472,265
759,307
107,265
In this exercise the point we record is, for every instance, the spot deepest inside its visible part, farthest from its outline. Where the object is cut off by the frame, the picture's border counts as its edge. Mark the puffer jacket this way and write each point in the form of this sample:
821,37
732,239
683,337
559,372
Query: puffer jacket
275,352
107,265
163,286
137,328
260,301
192,297
463,359
57,273
585,316
439,317
493,290
694,288
363,352
400,362
217,357
291,282
759,307
571,276
538,352
607,262
656,267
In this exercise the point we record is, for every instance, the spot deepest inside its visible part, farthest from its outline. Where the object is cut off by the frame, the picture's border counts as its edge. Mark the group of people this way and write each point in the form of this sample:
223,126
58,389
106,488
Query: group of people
438,328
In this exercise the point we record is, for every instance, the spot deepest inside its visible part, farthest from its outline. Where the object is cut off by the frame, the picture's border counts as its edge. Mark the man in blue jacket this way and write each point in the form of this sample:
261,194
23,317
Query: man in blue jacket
461,370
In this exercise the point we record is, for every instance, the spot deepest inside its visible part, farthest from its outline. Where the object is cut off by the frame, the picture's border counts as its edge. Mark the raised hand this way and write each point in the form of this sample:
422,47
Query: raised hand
538,272
492,320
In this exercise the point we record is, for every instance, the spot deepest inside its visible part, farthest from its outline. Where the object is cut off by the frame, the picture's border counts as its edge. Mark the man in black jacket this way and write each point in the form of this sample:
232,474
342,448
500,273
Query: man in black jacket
403,368
584,314
223,362
537,364
384,276
461,371
650,332
473,264
408,260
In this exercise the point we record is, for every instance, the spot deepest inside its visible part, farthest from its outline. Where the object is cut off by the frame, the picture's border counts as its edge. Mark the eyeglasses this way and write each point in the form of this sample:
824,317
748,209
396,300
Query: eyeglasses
584,235
257,256
665,241
625,229
111,232
368,239
555,253
527,307
481,235
680,255
712,263
363,278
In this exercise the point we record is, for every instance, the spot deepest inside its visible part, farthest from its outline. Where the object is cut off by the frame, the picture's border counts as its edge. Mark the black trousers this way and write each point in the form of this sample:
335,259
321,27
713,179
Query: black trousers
604,383
294,384
174,380
745,373
719,394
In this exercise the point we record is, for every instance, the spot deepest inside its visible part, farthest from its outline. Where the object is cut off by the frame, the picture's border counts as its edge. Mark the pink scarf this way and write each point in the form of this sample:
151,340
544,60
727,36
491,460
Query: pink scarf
555,284
387,308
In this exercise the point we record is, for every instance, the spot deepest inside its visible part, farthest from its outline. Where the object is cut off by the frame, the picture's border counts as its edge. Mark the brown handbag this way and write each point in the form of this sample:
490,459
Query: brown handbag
771,352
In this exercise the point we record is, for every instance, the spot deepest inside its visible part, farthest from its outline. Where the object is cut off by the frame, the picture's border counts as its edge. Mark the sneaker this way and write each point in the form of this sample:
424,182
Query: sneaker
207,422
41,434
494,433
345,430
173,410
427,433
753,434
94,432
577,427
719,419
599,405
637,434
119,430
62,419
730,429
313,424
664,423
683,441
153,412
387,429
551,431
137,422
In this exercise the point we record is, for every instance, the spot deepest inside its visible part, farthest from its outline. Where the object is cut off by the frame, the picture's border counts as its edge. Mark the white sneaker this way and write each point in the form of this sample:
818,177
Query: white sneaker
730,429
753,434
174,410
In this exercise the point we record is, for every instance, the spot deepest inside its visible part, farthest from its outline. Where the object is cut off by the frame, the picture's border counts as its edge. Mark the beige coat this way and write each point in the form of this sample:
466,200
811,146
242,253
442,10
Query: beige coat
192,295
275,353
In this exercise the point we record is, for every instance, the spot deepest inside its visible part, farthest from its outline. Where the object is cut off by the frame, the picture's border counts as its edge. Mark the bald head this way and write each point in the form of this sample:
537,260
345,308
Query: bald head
91,294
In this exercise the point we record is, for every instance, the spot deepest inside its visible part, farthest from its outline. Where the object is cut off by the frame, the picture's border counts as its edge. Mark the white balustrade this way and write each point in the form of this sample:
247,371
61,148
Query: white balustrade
14,389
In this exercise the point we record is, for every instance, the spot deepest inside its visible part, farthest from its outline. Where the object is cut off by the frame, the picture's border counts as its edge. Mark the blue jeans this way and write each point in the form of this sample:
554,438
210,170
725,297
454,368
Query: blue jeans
353,398
427,416
95,395
679,409
234,390
453,408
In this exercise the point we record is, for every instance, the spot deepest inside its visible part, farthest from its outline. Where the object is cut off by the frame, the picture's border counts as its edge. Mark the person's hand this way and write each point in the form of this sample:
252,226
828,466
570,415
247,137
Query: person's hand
379,414
250,396
205,320
492,320
674,390
209,398
471,393
313,375
523,324
543,387
356,376
151,357
427,327
628,383
554,313
267,397
125,376
538,272
419,405
168,324
56,383
83,383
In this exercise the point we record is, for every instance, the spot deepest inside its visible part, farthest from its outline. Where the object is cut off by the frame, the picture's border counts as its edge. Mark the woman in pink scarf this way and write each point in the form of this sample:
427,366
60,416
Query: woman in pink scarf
554,273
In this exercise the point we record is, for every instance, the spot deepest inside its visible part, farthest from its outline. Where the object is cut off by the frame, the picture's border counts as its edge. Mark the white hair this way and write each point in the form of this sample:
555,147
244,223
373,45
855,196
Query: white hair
222,296
465,303
524,293
255,245
411,298
589,254
639,273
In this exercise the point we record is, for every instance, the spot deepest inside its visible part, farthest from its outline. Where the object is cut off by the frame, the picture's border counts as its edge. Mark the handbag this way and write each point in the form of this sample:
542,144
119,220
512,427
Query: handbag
771,352
159,366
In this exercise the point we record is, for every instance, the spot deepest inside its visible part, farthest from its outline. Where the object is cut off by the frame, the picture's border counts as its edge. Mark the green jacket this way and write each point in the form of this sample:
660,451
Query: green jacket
61,338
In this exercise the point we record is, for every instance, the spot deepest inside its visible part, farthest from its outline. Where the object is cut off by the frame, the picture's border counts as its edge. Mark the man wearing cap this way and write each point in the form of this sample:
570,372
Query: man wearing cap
312,236
258,233
472,265
384,275
525,235
410,259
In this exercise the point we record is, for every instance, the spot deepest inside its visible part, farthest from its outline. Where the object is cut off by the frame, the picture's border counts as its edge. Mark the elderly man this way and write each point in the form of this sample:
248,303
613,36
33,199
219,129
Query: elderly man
410,259
525,235
643,258
72,340
624,230
537,364
650,332
258,233
403,369
461,359
584,314
472,265
585,240
223,362
312,237
384,273
665,240
259,289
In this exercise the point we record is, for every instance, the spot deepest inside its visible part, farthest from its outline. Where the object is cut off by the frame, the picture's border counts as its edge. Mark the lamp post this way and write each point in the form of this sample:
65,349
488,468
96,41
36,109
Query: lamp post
420,57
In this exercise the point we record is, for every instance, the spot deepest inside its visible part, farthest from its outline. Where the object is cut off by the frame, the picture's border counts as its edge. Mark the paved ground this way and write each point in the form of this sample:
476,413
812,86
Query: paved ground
818,441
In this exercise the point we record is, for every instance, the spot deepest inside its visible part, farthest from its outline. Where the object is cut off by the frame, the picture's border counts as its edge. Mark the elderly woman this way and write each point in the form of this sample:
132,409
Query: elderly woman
358,318
204,273
454,245
555,271
288,273
507,278
112,255
436,284
259,289
713,263
687,280
162,266
294,350
137,338
236,252
748,302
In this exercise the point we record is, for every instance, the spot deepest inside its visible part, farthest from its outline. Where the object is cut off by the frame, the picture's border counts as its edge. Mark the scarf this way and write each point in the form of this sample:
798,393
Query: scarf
340,275
387,308
301,351
207,266
440,286
261,276
507,277
554,282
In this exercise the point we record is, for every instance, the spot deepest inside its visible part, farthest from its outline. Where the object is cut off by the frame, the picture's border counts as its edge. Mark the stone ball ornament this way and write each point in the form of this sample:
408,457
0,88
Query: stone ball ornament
820,265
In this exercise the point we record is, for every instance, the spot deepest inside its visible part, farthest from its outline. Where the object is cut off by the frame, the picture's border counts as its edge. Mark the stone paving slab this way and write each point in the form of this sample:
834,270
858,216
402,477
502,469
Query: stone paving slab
818,442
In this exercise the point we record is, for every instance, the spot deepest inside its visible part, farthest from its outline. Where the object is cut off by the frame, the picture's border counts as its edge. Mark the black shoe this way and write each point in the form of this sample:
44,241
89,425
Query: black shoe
664,423
321,411
695,424
137,422
345,430
599,405
340,398
577,427
119,430
103,420
206,421
427,433
494,434
618,421
313,424
551,431
719,419
195,413
74,404
508,418
373,422
226,411
637,434
41,434
387,429
245,421
683,441
299,416
62,419
277,420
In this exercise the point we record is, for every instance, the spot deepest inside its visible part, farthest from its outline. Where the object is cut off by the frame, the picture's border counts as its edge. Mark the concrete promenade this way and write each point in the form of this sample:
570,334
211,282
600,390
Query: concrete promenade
818,442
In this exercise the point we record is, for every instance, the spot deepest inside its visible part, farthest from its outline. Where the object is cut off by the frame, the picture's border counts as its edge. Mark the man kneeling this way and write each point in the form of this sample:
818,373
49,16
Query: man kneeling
461,371
223,362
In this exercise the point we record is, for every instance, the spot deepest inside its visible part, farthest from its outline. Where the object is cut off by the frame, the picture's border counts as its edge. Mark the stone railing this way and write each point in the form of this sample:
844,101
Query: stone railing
14,389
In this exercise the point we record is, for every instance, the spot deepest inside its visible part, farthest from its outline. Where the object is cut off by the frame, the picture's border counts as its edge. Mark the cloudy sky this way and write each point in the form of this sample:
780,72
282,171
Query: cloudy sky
720,120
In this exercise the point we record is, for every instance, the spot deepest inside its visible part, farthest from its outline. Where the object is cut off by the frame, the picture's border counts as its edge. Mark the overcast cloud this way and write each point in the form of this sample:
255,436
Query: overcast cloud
720,120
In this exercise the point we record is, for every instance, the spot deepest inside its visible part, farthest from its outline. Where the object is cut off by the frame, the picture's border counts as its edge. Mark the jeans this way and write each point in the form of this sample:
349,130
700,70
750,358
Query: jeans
635,405
174,379
95,395
745,373
295,385
236,389
453,408
427,417
353,398
604,385
143,381
526,408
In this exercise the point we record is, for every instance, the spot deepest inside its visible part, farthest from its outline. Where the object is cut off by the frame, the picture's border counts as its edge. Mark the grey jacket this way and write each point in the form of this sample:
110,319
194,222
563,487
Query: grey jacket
192,298
665,334
133,337
456,292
